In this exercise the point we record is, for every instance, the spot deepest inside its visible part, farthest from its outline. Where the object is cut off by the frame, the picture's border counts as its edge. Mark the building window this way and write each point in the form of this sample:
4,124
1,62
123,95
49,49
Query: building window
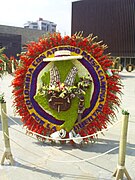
34,23
47,27
54,26
43,28
35,27
26,27
43,24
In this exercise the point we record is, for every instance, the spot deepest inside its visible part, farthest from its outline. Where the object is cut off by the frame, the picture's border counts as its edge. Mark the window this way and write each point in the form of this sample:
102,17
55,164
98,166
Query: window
43,28
44,24
54,26
34,23
26,27
47,27
35,27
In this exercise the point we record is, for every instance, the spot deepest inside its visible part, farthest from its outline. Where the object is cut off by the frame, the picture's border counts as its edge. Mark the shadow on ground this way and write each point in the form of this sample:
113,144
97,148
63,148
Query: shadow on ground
11,121
38,169
101,146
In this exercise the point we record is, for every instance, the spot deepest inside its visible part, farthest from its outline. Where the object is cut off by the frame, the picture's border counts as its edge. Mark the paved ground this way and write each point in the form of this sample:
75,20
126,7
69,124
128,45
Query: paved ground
36,161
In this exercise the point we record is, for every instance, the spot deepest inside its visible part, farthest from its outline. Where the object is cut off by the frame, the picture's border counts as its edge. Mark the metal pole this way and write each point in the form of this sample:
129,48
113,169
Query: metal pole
7,153
121,170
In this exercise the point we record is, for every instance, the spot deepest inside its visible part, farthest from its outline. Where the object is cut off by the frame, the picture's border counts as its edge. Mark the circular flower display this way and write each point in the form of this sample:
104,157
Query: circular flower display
77,95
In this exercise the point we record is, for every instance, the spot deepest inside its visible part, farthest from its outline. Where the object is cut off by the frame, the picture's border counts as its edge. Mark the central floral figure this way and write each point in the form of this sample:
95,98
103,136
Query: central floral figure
65,89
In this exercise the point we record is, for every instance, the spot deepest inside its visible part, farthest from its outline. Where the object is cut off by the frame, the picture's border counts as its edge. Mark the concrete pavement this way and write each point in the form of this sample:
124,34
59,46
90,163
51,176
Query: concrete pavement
34,160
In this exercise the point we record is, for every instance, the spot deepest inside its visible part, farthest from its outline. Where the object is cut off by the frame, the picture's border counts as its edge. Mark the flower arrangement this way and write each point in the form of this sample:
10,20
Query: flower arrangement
6,63
88,44
60,95
61,90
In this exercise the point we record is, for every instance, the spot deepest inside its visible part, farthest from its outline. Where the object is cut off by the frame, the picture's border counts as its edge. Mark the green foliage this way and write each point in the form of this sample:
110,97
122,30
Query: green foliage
2,51
125,112
2,98
3,59
69,116
45,78
3,56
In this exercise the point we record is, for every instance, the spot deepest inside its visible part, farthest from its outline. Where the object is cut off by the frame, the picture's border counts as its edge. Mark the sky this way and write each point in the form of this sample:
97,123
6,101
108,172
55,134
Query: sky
18,12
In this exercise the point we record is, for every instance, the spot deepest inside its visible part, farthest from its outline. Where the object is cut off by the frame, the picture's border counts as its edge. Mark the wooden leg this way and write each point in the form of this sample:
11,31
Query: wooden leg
7,155
119,173
126,173
114,174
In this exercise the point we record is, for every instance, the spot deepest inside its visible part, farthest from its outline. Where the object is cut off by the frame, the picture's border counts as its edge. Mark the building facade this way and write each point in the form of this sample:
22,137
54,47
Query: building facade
12,44
113,21
41,24
14,38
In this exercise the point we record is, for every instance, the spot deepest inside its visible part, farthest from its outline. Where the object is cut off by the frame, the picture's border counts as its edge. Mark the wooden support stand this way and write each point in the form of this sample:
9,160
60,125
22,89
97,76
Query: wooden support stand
7,154
121,170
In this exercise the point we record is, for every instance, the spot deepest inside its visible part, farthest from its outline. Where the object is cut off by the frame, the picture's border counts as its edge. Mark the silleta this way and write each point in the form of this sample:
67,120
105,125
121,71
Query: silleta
96,68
